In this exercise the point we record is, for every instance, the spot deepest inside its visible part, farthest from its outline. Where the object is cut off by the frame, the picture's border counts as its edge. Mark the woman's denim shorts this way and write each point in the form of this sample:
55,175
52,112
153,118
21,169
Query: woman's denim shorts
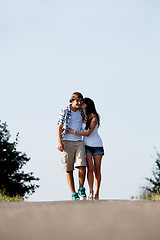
94,150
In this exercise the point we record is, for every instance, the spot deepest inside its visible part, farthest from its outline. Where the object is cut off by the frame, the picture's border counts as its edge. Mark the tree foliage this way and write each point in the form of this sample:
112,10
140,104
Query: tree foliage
13,180
154,182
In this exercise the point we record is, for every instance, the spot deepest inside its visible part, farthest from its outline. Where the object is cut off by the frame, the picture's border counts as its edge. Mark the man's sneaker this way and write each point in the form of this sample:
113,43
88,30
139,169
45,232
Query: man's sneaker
75,196
81,193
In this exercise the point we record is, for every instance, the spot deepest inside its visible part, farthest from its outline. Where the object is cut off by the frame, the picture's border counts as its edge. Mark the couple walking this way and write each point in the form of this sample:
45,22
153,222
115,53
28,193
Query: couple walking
80,119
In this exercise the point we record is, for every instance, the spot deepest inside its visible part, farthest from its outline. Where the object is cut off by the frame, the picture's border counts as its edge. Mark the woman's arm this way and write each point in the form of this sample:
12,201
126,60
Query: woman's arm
92,126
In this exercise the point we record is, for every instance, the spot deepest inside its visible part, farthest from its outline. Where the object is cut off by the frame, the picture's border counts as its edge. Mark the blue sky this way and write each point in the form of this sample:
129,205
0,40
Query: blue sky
107,50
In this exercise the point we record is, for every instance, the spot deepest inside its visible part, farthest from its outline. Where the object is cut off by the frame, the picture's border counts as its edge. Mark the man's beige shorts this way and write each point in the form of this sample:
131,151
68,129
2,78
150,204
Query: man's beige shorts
73,155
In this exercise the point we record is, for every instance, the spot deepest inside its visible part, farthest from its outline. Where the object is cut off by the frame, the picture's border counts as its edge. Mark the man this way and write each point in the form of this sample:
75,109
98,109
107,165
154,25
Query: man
72,146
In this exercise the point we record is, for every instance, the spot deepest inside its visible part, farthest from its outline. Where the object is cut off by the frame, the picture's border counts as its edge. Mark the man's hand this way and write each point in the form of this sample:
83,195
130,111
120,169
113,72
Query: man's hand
59,133
60,146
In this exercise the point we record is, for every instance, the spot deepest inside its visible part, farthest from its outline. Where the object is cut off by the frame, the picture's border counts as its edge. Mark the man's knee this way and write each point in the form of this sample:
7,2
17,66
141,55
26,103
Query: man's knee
69,172
82,168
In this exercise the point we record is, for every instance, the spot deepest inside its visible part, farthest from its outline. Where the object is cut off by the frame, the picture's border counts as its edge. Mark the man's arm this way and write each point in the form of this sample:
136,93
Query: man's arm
59,133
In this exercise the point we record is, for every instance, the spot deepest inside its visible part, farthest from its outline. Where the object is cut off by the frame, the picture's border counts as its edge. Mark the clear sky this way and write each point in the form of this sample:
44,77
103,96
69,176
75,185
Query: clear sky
107,50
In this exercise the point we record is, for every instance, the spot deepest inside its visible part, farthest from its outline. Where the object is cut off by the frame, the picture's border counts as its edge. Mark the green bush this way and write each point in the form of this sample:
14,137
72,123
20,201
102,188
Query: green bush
152,190
154,181
13,180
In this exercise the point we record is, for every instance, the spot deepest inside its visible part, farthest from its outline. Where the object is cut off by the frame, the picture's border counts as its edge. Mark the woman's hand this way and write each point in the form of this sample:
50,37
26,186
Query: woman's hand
70,131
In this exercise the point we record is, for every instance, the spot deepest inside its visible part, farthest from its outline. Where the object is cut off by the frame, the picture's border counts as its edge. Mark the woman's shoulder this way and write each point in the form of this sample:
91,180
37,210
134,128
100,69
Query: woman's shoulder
93,118
92,115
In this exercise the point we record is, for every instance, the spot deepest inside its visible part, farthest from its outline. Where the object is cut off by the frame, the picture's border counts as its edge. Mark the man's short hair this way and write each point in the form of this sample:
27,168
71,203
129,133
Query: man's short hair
76,96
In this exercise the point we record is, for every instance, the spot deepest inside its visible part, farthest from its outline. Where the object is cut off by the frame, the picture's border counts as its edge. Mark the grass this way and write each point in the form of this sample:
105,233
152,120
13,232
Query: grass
4,198
150,196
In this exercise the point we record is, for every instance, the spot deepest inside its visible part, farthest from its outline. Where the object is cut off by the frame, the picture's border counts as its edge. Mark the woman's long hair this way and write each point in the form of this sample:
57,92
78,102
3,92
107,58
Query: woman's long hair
90,109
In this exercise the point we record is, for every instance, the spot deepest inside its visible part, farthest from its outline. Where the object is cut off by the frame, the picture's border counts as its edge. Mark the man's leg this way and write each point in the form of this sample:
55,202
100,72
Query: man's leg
80,163
70,180
68,163
82,174
90,170
81,190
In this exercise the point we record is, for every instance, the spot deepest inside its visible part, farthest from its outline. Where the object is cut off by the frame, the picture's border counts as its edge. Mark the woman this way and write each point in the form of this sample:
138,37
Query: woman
93,145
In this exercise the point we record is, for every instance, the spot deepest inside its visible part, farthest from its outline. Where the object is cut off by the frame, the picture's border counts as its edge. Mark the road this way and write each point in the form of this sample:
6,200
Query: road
77,220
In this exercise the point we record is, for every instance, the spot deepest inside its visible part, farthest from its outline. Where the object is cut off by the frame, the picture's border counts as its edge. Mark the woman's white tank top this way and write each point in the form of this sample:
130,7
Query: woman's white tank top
94,140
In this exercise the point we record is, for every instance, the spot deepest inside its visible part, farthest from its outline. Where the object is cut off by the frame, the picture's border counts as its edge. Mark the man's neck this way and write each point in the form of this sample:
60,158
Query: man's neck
74,109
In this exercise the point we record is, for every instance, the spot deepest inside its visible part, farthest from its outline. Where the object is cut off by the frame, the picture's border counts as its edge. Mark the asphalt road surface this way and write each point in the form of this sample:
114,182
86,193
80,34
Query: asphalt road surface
80,220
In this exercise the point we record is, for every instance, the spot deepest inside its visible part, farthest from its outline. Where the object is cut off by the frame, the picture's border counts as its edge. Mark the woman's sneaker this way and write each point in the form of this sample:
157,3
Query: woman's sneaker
75,196
81,193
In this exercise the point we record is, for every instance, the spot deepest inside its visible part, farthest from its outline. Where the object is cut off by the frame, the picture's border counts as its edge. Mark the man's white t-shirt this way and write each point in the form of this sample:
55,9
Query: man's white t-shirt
76,124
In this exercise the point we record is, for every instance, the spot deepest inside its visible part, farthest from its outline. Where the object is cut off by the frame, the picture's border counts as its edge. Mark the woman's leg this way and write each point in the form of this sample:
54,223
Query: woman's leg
90,171
97,170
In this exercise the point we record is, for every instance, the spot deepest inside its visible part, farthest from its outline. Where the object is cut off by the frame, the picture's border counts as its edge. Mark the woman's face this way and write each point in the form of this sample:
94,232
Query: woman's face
83,105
